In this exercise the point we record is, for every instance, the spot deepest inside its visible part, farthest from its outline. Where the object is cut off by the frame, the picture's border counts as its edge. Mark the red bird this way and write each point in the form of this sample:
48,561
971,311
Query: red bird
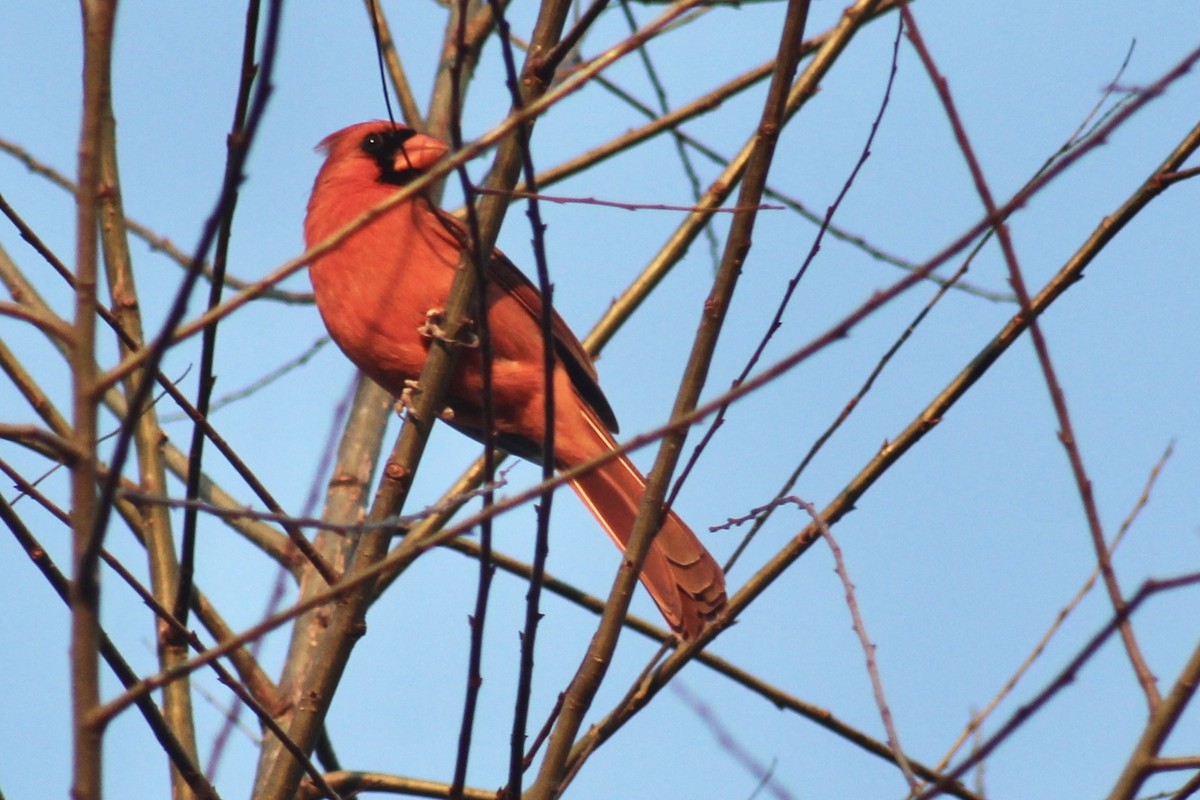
375,293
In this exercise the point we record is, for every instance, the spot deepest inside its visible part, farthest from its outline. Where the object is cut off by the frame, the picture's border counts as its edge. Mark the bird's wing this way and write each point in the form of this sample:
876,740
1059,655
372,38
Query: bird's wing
574,358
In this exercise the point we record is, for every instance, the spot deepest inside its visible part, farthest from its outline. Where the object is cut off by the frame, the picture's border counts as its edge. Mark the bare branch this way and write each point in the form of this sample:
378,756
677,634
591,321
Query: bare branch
860,628
1066,428
156,242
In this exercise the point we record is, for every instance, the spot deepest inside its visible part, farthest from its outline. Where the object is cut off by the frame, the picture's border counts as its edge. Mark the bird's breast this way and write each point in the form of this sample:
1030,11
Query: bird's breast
375,290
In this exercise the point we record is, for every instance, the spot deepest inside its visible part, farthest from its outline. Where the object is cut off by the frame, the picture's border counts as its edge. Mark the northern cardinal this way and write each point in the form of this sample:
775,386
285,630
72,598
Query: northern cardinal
377,292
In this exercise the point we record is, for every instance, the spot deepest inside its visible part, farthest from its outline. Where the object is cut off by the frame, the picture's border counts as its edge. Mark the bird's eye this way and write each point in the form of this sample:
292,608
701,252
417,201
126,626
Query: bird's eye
373,143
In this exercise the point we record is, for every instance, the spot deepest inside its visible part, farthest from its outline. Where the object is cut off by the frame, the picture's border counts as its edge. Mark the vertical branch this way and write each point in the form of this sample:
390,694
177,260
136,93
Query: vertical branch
156,536
387,46
208,339
478,22
517,736
355,463
475,258
99,17
469,284
591,672
234,144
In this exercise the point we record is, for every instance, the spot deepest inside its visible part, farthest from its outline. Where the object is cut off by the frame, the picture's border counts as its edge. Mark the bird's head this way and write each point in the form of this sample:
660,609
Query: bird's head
382,152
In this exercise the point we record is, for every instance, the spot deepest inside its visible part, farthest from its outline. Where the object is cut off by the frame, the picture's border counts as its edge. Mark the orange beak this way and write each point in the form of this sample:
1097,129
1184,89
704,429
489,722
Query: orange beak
420,153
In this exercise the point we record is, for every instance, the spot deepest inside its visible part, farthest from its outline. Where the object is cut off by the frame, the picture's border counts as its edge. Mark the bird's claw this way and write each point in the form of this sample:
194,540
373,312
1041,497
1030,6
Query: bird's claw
406,405
432,329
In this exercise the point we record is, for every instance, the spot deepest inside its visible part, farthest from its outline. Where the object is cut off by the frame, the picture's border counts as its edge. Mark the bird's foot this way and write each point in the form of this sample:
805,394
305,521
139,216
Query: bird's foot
404,403
432,329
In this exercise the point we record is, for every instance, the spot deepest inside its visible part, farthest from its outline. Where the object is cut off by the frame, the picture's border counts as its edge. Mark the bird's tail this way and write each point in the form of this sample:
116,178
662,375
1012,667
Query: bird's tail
684,579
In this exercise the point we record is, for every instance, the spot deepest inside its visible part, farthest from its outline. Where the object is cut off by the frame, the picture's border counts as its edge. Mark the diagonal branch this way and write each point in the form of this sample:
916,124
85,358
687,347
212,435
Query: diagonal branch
1066,429
153,240
892,451
587,680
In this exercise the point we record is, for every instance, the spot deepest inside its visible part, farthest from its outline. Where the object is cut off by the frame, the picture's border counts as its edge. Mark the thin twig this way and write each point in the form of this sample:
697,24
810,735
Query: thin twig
154,241
391,57
1162,722
235,142
1077,139
545,67
763,513
929,417
977,719
1066,429
726,740
1188,790
1168,178
1069,674
777,321
860,628
308,521
595,201
664,107
258,384
99,19
473,258
181,760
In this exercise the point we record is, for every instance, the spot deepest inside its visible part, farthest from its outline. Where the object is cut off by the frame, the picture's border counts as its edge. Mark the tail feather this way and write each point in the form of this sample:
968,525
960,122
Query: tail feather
684,579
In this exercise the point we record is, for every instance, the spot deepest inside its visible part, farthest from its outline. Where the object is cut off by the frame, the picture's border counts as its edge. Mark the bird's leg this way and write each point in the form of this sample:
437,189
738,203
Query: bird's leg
432,329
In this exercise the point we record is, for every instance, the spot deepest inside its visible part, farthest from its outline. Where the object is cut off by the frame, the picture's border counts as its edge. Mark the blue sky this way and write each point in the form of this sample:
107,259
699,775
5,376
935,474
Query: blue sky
962,554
